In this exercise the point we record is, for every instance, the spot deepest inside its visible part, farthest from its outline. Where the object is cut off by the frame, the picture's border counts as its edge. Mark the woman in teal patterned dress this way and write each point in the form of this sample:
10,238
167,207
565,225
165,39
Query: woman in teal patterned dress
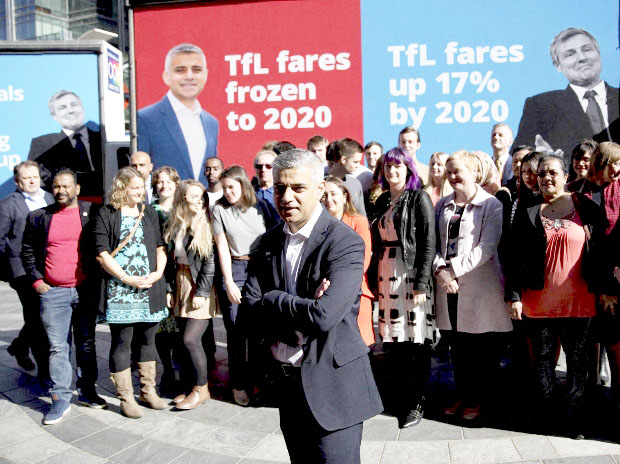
133,296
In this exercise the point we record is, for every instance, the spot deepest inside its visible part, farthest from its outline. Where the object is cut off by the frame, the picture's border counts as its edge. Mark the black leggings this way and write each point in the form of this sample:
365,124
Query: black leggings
120,347
193,330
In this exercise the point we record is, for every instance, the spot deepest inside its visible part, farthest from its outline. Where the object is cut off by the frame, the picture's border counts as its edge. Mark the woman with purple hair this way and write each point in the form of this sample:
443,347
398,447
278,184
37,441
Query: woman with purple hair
400,271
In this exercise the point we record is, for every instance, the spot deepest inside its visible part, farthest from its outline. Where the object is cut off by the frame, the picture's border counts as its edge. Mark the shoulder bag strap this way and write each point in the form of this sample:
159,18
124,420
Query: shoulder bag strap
130,234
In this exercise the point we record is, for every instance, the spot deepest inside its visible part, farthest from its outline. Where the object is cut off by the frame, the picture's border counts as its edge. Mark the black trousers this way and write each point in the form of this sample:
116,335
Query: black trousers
475,358
32,336
307,442
573,333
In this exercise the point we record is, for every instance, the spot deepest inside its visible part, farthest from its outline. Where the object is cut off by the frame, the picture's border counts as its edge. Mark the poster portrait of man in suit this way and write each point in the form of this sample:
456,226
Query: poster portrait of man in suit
176,131
586,109
77,146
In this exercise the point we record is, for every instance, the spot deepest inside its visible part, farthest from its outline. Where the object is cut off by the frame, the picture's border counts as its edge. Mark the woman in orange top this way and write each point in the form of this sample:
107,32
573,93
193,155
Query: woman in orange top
338,203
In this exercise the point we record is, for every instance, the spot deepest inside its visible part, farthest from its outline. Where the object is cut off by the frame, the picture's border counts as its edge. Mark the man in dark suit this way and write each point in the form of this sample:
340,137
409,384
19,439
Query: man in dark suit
77,146
304,290
176,131
13,212
584,110
501,140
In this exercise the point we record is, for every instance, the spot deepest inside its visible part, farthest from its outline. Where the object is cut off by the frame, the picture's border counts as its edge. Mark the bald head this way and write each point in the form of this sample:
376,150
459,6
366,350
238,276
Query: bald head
141,161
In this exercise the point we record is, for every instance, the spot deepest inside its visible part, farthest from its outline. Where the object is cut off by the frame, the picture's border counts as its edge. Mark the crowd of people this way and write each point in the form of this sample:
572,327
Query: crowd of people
449,258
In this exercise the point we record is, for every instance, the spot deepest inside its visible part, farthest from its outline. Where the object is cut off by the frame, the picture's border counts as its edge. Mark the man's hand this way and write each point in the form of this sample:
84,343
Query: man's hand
170,300
43,288
515,310
322,288
444,276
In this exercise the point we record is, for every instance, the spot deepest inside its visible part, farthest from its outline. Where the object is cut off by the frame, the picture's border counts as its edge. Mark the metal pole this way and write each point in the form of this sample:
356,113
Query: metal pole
9,7
133,132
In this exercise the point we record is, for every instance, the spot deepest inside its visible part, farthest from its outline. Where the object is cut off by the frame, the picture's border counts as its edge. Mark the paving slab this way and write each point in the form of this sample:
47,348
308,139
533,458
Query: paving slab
149,451
73,456
107,442
415,452
483,451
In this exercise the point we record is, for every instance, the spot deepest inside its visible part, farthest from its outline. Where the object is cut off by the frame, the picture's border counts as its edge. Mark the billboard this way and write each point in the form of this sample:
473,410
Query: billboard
365,69
26,85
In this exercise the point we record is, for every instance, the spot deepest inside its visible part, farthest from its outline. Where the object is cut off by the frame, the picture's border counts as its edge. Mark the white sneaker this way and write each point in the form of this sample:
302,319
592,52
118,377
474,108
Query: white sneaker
241,397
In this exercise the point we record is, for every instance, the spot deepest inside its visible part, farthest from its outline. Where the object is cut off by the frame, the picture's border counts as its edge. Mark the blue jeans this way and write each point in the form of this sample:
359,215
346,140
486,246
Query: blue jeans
59,312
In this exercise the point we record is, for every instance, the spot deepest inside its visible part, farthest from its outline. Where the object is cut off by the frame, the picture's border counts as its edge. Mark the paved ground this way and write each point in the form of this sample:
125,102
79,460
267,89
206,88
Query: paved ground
222,432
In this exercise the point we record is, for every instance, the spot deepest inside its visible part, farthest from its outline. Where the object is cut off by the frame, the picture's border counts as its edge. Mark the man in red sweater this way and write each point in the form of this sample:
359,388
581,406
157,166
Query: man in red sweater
57,261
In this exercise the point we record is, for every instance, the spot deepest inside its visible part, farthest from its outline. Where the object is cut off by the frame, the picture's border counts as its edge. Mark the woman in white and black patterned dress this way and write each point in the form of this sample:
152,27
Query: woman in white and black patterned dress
400,272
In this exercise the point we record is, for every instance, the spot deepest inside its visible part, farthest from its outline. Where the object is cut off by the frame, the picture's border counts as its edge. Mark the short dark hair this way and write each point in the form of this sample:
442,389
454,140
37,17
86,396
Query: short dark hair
68,172
349,147
408,129
582,148
283,146
517,148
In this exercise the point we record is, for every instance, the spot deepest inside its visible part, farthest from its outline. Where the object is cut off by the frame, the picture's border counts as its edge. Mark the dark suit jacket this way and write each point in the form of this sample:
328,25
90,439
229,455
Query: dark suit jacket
34,246
507,174
335,371
160,135
13,214
54,151
559,118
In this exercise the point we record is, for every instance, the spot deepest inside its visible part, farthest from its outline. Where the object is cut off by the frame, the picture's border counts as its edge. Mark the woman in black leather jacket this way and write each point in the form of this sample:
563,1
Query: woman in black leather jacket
400,272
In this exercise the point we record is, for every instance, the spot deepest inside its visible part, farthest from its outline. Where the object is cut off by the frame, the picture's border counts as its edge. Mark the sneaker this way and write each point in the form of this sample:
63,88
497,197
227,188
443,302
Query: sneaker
91,399
57,411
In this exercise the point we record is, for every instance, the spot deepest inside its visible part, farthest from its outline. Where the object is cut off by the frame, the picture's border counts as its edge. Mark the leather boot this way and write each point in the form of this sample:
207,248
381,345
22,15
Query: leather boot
198,395
148,392
124,390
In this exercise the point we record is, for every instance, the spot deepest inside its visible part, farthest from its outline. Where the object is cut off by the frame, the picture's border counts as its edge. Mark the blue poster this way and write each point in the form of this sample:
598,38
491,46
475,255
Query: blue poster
453,69
27,83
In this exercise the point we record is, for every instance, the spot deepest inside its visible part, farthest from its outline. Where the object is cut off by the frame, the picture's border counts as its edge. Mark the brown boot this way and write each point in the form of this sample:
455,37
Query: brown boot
199,395
148,393
177,399
124,390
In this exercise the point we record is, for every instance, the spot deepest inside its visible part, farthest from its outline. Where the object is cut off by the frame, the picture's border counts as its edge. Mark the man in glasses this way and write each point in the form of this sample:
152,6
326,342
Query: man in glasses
264,175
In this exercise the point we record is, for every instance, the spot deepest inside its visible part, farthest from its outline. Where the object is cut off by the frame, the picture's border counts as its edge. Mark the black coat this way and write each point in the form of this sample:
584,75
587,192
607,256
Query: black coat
414,220
335,370
107,231
202,270
528,250
34,246
13,214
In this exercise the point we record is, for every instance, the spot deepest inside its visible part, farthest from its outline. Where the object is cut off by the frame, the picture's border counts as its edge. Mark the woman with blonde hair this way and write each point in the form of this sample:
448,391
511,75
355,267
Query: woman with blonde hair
337,201
488,177
189,272
437,185
471,311
130,248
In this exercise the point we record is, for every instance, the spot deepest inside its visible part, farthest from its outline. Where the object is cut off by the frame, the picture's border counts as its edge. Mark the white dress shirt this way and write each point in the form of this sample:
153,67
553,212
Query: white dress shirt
35,201
293,248
193,131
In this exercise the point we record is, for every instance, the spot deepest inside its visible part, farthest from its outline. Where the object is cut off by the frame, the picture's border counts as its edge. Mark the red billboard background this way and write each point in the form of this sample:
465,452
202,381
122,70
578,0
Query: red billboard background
278,70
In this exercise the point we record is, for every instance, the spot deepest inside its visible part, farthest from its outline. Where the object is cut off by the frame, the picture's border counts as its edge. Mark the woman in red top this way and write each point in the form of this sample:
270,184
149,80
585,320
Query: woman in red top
547,288
337,201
